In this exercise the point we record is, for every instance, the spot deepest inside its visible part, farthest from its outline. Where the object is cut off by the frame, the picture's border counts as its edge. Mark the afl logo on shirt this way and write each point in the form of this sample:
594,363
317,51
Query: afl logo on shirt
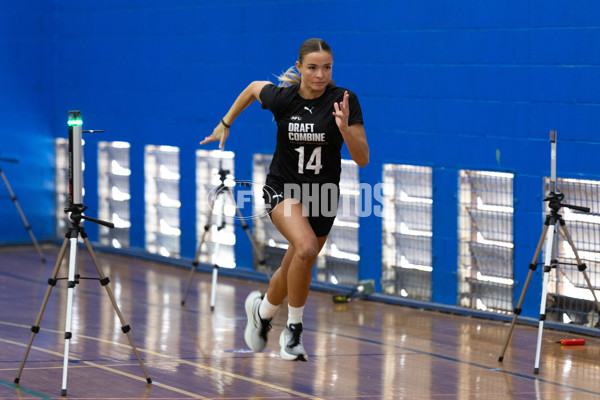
296,118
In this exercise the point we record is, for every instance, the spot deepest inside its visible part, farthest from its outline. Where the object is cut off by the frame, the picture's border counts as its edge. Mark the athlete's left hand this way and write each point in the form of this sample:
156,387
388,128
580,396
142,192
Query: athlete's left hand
342,111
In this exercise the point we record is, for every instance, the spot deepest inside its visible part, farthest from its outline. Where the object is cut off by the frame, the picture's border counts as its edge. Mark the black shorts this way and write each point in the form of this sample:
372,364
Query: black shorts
320,201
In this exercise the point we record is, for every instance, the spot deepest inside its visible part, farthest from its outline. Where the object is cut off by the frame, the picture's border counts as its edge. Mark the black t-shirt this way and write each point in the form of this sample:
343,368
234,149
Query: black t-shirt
308,139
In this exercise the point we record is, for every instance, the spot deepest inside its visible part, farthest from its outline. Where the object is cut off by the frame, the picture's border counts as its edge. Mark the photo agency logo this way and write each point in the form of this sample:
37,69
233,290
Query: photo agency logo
251,200
237,199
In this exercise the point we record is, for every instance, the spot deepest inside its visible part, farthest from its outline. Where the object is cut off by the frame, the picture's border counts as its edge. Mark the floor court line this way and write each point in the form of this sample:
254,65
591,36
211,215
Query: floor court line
106,368
24,390
449,360
469,363
174,359
255,381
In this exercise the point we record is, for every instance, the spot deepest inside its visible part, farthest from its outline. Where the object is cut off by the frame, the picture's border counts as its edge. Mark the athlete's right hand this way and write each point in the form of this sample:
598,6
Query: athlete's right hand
221,132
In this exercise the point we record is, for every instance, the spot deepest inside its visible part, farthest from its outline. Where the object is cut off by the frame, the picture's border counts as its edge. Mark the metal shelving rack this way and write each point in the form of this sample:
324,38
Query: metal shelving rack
161,169
407,231
486,248
114,193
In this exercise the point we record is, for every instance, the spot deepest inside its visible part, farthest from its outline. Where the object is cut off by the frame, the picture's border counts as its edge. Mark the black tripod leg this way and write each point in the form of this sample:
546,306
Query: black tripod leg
532,267
35,328
104,281
197,257
27,226
257,252
580,265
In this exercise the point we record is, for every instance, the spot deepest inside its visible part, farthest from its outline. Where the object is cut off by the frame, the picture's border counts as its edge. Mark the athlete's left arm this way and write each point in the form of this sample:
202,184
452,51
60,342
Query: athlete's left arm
354,135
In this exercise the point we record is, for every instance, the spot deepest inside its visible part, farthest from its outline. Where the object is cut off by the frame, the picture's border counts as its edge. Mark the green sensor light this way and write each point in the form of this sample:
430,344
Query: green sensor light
75,118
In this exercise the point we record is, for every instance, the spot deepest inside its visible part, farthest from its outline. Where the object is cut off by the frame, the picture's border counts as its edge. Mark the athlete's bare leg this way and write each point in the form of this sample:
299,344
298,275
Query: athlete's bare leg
292,279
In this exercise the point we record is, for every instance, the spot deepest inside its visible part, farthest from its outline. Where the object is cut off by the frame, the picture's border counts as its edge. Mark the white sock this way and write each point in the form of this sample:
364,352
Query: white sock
295,315
266,309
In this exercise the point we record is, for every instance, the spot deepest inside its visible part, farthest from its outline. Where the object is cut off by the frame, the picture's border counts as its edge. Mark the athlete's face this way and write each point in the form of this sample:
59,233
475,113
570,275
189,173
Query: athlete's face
316,72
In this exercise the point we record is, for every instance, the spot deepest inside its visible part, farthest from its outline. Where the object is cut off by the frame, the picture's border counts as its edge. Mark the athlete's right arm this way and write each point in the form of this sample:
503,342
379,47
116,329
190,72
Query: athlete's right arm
248,95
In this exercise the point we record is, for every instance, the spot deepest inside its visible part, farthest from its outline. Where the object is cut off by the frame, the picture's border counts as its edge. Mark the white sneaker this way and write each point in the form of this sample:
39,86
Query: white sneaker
256,328
291,343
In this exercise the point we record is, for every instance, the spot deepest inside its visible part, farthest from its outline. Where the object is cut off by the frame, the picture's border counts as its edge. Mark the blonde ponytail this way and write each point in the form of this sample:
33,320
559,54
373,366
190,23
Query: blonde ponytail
290,77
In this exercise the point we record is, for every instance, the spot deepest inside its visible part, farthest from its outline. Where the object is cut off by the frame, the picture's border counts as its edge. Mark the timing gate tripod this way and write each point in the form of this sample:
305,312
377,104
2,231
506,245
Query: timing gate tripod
553,223
74,232
219,191
14,199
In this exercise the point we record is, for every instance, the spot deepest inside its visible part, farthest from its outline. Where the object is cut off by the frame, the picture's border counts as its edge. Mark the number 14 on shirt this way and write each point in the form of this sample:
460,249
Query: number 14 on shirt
314,162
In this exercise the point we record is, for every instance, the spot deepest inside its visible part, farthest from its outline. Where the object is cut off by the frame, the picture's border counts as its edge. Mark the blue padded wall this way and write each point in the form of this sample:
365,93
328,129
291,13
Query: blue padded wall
452,85
26,115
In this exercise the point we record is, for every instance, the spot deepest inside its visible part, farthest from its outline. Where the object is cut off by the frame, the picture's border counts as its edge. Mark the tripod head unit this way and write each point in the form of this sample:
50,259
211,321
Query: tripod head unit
223,174
10,160
77,215
223,177
555,203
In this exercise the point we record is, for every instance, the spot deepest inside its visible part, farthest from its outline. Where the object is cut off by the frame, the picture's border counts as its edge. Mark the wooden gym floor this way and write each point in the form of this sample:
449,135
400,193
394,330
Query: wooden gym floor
360,350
